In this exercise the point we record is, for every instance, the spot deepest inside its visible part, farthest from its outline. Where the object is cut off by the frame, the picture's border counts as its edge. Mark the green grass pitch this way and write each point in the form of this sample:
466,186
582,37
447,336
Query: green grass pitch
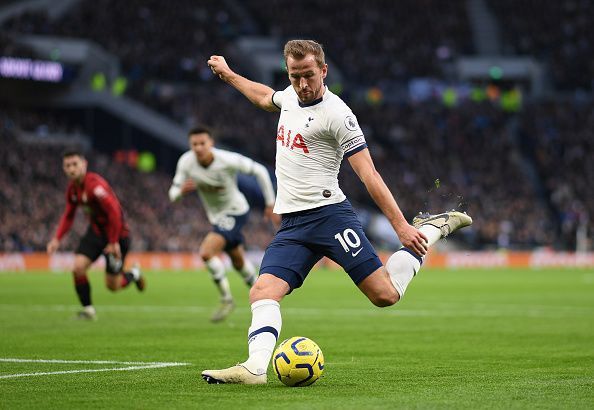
459,339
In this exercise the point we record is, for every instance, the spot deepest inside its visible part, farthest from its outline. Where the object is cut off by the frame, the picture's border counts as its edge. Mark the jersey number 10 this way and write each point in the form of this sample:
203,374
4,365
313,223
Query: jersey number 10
348,238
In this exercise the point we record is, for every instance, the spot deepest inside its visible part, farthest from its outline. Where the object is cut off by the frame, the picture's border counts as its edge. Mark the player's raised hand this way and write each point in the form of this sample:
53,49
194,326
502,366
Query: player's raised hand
113,249
189,185
413,239
53,245
219,67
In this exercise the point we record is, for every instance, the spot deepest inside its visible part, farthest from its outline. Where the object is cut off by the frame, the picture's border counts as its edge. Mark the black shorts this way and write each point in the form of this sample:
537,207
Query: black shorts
91,245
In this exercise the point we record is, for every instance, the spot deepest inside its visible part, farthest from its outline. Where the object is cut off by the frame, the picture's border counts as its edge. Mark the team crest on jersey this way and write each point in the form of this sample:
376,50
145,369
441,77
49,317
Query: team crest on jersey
84,197
99,192
351,123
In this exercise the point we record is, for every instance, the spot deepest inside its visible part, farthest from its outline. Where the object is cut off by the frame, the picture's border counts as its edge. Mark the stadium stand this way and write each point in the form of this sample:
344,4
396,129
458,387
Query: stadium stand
32,187
469,155
558,32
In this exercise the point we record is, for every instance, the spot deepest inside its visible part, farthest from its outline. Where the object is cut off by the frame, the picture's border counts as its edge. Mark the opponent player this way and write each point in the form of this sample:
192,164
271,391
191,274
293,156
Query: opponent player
107,233
315,131
213,173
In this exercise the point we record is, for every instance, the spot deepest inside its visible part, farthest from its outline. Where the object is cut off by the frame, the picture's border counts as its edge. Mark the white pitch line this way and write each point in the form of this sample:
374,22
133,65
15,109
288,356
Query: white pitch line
441,310
14,360
139,366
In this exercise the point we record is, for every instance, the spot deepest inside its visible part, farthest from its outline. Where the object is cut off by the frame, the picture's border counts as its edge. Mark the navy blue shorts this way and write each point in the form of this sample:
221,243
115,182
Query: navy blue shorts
229,226
306,236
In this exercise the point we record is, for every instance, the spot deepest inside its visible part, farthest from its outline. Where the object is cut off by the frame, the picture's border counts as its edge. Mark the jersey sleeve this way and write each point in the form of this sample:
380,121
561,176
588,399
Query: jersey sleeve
179,178
345,128
277,98
67,217
102,193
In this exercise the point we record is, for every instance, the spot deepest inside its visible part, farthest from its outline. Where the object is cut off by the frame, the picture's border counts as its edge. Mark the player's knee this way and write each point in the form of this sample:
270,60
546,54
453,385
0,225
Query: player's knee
385,298
206,255
79,272
256,291
260,291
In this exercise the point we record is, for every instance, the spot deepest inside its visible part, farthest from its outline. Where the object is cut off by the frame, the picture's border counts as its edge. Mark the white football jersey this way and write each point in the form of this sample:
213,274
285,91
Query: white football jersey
311,141
217,183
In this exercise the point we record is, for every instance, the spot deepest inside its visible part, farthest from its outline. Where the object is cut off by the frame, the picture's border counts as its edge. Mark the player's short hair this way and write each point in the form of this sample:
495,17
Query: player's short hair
200,130
298,49
73,152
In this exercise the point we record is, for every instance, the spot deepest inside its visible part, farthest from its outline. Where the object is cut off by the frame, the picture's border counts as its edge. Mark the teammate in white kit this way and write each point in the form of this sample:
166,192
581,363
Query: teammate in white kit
213,173
316,130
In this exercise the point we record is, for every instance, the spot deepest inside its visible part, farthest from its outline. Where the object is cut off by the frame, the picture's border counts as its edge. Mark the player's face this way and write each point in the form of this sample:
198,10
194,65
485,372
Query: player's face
75,167
201,144
307,78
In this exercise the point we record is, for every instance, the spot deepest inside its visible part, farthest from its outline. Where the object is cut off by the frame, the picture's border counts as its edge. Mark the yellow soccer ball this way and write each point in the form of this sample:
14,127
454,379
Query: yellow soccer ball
298,361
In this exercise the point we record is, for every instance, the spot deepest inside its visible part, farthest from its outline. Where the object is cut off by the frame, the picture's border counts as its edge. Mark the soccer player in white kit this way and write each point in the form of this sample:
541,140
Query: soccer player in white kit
213,173
316,130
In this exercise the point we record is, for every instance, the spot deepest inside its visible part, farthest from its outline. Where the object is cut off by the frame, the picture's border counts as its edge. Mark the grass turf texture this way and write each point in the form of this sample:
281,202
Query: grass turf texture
460,339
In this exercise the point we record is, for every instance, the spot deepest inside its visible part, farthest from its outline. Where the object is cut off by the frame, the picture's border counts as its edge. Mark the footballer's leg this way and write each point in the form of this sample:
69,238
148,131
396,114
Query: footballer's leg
284,267
263,334
116,278
83,287
243,265
89,249
212,245
404,264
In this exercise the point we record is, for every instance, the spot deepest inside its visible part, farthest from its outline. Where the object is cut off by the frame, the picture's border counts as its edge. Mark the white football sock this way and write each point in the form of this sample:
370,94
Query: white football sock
403,266
248,272
263,334
217,271
432,233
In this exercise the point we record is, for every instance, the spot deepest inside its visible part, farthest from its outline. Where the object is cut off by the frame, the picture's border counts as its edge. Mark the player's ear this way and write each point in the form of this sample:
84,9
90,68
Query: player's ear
324,71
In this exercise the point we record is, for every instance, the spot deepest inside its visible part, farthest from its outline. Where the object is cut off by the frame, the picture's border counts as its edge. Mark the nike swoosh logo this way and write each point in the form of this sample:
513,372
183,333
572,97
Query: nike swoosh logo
446,217
356,253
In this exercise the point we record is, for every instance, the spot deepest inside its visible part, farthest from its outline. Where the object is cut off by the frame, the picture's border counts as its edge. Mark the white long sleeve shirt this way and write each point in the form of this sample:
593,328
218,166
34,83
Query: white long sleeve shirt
217,183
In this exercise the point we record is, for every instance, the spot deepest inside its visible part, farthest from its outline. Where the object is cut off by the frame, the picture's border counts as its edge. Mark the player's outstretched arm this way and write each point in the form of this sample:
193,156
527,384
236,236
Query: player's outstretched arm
64,226
259,94
410,237
180,184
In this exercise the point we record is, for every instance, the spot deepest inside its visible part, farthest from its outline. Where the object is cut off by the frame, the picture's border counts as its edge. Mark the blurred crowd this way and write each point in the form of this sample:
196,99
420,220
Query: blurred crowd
382,41
561,139
377,40
33,186
557,32
153,39
433,158
523,176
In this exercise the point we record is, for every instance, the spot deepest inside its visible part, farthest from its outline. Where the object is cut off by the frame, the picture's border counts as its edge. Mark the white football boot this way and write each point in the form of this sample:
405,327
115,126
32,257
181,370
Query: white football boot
87,313
447,223
235,375
138,277
223,311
